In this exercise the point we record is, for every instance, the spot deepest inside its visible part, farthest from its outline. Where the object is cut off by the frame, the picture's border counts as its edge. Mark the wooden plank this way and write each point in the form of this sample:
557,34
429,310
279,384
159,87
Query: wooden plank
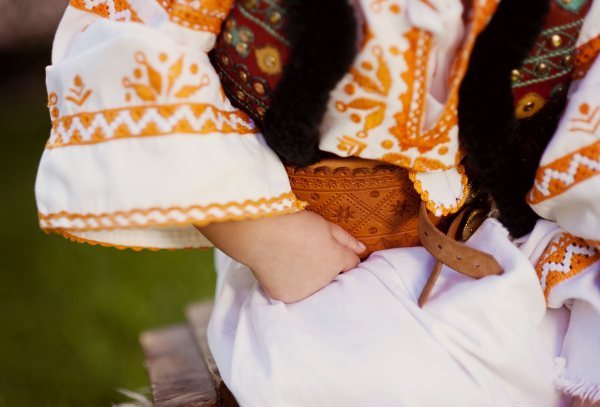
178,374
198,315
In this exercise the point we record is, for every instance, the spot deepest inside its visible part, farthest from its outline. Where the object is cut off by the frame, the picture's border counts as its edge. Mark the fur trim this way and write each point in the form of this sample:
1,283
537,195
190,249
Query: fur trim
323,45
486,112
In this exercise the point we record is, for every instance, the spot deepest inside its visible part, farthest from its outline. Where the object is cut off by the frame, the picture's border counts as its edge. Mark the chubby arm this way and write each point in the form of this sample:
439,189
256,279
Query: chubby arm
292,256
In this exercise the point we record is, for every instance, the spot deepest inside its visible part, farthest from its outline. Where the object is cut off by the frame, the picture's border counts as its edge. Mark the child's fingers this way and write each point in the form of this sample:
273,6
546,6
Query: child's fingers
346,239
349,259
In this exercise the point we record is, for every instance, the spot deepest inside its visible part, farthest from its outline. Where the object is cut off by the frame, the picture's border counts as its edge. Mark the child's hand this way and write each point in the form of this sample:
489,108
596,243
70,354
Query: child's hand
292,256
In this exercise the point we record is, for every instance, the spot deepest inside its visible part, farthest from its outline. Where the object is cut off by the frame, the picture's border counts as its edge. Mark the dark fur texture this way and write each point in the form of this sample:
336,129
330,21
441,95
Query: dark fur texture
486,112
322,34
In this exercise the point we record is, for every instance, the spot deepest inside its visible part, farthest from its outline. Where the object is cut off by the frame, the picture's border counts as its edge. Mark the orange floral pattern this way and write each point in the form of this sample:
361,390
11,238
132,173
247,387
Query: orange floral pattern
200,15
564,258
197,215
116,10
106,125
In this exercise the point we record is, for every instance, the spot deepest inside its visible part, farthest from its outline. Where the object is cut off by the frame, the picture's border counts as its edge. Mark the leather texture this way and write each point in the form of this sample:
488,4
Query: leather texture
460,257
374,202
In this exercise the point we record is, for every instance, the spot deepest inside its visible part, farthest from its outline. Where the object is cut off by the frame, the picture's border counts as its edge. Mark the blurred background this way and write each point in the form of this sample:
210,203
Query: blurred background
70,313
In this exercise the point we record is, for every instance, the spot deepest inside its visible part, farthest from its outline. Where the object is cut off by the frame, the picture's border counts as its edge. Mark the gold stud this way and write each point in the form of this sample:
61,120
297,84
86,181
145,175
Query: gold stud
230,24
556,40
275,17
542,68
225,59
250,4
241,47
228,37
260,110
270,61
515,74
567,61
259,88
566,1
243,76
240,95
245,36
560,92
528,106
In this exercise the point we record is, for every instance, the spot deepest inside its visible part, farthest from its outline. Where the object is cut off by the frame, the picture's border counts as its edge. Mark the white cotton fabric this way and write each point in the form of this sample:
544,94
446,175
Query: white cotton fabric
363,340
145,191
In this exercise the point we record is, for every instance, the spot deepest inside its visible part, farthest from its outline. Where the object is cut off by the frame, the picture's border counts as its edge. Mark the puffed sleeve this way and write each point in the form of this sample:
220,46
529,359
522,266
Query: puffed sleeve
144,142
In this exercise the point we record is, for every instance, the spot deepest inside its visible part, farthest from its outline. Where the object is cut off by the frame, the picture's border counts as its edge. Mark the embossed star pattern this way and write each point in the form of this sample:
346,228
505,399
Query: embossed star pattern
343,214
399,208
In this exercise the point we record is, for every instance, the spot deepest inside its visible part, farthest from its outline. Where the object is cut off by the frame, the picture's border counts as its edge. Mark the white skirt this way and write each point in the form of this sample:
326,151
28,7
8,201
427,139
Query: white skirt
364,341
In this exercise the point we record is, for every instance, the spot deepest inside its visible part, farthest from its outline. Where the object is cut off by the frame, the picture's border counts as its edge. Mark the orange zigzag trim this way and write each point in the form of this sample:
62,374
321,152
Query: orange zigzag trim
115,220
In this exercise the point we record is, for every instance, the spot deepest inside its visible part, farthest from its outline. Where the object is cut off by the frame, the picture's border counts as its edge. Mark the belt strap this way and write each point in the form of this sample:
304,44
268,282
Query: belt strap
460,257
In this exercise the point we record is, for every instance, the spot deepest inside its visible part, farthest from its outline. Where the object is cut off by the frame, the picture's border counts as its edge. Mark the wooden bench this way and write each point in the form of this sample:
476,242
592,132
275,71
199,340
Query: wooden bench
181,368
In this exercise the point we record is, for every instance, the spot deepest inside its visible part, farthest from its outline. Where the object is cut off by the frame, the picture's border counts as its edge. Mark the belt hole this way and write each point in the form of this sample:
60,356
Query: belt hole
458,257
476,264
440,247
426,234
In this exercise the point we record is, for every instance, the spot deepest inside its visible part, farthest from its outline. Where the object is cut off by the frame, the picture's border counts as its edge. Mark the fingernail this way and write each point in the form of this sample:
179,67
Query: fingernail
362,245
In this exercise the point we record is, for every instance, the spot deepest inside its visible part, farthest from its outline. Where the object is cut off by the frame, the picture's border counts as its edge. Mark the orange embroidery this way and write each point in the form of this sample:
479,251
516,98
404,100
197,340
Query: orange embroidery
584,109
564,258
376,6
106,125
594,243
78,91
154,88
166,4
585,55
78,239
200,15
431,206
197,215
353,146
397,159
116,10
52,102
408,130
560,175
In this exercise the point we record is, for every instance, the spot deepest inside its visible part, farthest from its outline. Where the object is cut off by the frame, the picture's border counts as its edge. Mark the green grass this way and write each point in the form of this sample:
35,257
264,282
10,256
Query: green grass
70,313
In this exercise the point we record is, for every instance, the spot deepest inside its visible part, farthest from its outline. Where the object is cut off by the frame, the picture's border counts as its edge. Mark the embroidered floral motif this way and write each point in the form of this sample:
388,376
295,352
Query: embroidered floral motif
79,92
200,15
198,215
116,10
560,175
91,128
151,91
564,258
52,102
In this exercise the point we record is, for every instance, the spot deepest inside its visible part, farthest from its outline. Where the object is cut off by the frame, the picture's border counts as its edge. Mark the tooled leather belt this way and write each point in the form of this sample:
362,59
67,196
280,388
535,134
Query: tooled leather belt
378,205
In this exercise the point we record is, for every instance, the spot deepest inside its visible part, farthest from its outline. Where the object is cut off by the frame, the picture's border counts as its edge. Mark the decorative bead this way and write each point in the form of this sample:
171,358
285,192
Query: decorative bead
243,76
528,106
567,61
556,40
515,74
566,1
260,110
542,68
560,91
250,4
245,36
225,59
270,61
230,24
240,95
259,88
241,47
275,17
228,37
